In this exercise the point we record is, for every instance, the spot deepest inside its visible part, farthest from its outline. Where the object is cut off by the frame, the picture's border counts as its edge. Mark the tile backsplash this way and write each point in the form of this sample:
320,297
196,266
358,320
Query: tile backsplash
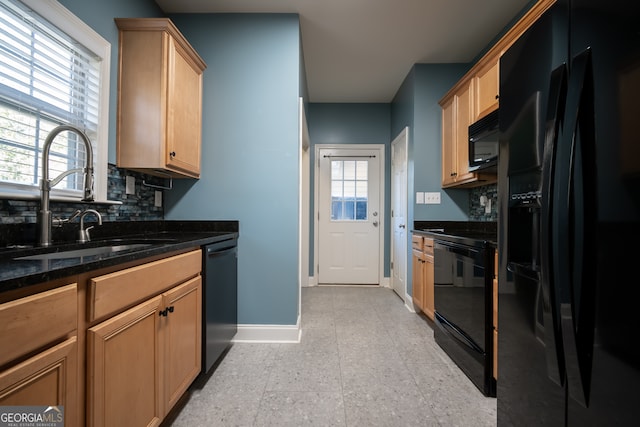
477,212
135,207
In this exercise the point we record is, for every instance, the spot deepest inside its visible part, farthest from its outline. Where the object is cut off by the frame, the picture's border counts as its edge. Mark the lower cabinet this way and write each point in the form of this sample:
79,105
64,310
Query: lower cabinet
141,361
418,279
46,379
39,356
423,274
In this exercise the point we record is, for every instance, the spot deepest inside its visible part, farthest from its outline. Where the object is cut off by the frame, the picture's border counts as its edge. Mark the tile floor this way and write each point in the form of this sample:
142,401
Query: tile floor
364,360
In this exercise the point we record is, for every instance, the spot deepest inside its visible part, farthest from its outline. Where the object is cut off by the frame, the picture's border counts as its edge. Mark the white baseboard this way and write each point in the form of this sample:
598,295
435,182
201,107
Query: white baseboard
311,282
269,333
408,302
385,282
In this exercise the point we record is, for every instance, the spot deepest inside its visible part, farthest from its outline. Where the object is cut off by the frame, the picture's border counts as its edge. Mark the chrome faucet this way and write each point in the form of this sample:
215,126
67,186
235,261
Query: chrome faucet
84,237
45,220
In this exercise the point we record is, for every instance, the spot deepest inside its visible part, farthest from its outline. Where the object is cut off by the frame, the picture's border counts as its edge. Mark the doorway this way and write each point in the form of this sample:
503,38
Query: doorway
349,210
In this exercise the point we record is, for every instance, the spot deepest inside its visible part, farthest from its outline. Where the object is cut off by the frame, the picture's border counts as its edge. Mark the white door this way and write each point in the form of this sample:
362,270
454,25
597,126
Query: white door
399,244
349,216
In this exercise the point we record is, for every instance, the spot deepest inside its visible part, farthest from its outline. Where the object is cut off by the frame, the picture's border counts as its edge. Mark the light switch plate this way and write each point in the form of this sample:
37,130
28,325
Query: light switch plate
419,198
130,185
432,197
158,199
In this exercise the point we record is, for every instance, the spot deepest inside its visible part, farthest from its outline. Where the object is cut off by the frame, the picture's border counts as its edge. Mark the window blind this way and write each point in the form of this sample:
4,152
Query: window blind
46,79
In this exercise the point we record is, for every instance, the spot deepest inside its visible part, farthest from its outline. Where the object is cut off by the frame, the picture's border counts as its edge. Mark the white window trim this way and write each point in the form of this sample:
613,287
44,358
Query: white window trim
73,26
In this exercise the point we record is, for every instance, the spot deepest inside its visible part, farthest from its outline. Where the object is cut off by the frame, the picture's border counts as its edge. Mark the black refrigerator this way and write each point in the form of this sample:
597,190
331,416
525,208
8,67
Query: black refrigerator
569,219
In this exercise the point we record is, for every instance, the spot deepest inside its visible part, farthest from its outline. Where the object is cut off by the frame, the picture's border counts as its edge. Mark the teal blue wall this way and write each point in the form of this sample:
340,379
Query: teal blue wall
416,105
351,124
432,81
99,14
249,152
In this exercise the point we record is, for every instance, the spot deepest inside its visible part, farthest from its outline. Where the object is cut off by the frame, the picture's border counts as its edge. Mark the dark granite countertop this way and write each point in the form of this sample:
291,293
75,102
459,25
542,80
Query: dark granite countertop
464,232
158,237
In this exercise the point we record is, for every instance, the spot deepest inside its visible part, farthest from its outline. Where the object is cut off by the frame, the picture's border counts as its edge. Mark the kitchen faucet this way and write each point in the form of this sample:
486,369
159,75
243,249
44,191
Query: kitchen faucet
84,233
44,216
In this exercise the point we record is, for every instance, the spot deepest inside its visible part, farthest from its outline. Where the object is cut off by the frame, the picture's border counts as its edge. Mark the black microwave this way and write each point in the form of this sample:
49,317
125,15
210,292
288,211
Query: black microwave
483,143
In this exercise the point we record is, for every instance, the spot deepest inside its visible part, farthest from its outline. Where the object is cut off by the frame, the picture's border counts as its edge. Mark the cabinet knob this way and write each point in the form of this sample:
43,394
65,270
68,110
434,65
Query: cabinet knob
166,311
497,96
172,154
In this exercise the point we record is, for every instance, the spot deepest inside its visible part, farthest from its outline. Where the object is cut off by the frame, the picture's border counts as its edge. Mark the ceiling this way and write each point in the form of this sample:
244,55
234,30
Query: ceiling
361,50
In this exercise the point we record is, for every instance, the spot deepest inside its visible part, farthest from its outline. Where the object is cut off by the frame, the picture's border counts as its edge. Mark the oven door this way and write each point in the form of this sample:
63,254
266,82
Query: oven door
460,296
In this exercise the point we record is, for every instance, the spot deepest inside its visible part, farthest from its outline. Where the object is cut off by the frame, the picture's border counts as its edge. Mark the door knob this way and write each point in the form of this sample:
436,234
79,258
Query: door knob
375,223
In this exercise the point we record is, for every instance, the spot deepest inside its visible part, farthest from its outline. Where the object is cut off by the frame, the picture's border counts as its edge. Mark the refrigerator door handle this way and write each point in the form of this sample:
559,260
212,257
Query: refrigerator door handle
550,308
578,305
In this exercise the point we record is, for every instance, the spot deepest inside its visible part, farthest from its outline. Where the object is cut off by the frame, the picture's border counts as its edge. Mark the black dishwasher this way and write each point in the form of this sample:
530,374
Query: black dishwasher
220,299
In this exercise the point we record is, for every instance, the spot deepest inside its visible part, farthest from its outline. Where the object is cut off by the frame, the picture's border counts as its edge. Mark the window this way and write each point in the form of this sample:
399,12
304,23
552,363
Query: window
349,190
48,78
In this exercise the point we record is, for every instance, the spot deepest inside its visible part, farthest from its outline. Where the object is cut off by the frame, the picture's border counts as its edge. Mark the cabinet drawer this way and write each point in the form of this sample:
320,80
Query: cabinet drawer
32,322
113,292
428,246
417,242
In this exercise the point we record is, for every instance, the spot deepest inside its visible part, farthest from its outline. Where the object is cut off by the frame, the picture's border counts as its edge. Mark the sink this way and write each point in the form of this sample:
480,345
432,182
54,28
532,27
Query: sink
77,253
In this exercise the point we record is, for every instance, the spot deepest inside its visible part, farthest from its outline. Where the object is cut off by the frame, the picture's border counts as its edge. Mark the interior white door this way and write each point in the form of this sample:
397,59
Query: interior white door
349,216
399,245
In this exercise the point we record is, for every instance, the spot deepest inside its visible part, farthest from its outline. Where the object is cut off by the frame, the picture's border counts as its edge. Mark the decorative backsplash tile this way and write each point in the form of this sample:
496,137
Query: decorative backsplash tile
134,207
477,212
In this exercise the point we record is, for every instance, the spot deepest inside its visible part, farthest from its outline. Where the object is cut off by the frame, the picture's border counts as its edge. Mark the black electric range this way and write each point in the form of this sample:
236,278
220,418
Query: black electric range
463,298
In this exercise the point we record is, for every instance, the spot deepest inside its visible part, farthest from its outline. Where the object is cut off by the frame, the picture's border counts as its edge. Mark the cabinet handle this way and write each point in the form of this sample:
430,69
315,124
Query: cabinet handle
166,311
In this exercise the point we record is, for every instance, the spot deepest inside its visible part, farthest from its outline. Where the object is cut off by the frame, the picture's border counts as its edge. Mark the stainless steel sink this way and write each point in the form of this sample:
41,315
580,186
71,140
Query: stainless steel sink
77,253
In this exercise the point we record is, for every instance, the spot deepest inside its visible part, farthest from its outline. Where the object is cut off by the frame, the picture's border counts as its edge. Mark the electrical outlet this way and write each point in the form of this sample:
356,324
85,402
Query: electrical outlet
158,199
130,187
432,197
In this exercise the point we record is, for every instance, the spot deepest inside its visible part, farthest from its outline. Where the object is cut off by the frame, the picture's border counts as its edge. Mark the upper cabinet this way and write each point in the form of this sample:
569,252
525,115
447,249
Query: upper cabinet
159,121
487,88
473,97
457,115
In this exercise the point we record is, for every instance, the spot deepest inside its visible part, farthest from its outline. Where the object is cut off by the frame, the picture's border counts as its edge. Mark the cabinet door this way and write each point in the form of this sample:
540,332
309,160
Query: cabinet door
487,88
182,334
46,379
418,279
464,113
184,112
428,286
448,142
124,376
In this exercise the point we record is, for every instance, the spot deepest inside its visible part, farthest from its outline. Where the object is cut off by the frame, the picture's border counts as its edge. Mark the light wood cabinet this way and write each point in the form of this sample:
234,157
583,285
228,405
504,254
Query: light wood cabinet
46,379
159,121
40,352
418,279
487,87
423,274
141,361
429,306
474,96
458,112
124,363
449,142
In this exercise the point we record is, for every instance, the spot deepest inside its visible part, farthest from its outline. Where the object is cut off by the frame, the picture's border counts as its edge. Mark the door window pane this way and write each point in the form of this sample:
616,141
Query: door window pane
349,190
